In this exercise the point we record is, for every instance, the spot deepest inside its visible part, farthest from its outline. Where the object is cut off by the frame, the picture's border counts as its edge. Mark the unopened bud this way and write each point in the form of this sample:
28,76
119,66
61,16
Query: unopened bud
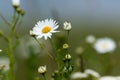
65,46
67,25
68,57
42,69
22,12
16,3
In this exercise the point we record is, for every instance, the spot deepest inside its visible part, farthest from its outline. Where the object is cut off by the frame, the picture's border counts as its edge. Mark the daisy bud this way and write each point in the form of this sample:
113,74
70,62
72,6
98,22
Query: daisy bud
42,69
22,12
16,3
67,25
68,56
65,46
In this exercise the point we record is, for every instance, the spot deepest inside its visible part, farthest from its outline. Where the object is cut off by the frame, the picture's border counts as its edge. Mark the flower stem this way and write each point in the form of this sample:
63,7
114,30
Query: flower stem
4,20
44,77
81,63
40,44
68,33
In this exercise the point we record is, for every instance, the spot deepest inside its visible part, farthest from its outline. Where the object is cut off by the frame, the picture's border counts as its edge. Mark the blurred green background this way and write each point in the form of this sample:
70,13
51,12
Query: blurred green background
97,17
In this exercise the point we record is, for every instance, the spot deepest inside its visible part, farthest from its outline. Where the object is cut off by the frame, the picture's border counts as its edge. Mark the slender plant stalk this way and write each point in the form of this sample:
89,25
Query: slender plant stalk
44,77
55,58
68,33
4,19
81,63
40,44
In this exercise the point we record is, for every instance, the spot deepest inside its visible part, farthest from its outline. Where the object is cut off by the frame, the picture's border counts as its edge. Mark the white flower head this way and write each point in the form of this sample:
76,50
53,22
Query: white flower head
90,39
78,75
92,72
45,28
16,3
42,69
4,63
108,78
67,25
104,45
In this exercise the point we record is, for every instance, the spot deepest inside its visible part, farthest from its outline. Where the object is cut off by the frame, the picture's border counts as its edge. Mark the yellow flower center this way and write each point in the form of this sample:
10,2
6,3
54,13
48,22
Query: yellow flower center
46,29
104,46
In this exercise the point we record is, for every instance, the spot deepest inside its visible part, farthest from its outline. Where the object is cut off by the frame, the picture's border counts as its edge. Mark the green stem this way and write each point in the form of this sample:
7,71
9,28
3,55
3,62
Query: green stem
4,20
81,63
68,33
16,21
40,44
57,56
44,77
12,61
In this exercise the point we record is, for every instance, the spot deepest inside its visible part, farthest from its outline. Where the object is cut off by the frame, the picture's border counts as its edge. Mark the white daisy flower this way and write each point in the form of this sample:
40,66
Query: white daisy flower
78,75
92,72
104,45
108,78
45,28
90,39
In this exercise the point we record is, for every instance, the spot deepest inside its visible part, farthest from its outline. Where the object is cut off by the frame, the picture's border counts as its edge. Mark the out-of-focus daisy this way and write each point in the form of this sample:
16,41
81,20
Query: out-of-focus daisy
4,63
78,75
0,50
90,39
79,50
104,45
92,73
45,28
108,78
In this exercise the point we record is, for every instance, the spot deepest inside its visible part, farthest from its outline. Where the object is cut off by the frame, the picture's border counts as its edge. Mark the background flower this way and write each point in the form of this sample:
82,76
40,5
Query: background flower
104,45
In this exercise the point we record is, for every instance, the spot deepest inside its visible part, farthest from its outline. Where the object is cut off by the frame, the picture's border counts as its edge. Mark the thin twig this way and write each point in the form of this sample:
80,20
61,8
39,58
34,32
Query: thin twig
4,19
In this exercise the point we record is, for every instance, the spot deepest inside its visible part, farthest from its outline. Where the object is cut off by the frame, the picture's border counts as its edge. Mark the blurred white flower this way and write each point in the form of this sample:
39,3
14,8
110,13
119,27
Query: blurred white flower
92,72
79,50
0,50
4,63
42,69
90,39
117,78
45,28
67,25
104,45
16,3
78,75
108,78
